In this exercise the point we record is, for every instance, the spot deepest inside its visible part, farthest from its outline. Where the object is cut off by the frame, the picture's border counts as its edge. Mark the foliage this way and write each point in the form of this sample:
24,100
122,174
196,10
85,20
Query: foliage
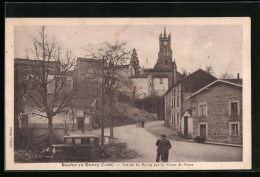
27,141
226,75
125,98
135,62
209,69
113,57
31,155
48,87
152,104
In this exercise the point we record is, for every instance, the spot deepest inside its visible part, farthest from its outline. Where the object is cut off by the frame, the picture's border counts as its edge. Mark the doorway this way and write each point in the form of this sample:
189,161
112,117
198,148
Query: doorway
203,132
80,123
186,126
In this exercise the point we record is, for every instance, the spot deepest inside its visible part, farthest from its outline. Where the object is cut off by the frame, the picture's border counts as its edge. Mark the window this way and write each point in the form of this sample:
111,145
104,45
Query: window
85,141
177,101
77,141
68,140
172,119
178,118
174,102
202,110
234,108
234,128
161,80
92,141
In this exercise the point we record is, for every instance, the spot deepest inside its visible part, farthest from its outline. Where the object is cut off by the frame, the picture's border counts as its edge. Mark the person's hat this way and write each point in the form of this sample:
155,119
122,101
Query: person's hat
163,135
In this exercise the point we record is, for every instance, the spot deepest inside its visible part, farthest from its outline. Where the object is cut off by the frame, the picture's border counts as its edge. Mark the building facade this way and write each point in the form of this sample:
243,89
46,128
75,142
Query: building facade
216,112
159,79
175,98
28,113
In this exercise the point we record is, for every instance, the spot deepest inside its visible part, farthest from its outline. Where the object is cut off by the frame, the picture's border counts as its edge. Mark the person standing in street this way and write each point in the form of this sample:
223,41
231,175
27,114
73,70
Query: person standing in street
142,124
163,148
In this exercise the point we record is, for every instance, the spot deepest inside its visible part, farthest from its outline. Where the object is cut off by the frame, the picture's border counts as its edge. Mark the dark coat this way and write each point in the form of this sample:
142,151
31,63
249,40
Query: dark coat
163,145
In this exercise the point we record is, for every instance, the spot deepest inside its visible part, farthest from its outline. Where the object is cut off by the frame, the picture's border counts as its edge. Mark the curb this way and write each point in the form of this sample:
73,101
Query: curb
220,144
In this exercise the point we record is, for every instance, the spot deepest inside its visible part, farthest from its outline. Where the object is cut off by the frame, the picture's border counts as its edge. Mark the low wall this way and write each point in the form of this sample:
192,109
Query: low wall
59,132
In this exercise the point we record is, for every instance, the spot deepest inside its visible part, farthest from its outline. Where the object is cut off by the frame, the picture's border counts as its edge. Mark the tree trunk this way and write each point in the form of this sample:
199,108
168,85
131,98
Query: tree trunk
51,132
111,127
72,119
110,106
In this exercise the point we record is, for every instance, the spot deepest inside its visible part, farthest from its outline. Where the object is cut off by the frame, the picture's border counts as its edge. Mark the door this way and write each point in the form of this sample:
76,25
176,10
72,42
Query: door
203,130
80,123
186,126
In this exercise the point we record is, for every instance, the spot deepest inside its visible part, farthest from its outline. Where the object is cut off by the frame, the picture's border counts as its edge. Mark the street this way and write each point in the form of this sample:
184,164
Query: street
143,142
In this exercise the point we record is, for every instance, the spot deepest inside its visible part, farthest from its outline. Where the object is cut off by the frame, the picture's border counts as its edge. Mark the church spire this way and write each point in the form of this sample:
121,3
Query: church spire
164,31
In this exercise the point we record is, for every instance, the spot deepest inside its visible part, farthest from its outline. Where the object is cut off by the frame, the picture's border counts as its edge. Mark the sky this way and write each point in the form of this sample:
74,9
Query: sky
193,46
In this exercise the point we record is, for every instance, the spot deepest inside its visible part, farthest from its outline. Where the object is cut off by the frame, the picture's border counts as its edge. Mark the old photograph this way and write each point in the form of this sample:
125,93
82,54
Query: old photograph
128,94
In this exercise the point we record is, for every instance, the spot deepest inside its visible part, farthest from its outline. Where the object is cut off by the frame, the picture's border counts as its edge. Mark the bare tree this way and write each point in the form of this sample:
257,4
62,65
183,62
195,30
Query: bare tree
226,75
67,117
113,56
209,69
49,89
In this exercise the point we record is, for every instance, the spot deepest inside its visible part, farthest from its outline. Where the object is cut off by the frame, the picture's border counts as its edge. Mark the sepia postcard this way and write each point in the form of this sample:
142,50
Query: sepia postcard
128,93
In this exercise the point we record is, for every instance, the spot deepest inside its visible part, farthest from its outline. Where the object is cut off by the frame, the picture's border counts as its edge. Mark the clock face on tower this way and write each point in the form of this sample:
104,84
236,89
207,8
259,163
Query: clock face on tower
165,42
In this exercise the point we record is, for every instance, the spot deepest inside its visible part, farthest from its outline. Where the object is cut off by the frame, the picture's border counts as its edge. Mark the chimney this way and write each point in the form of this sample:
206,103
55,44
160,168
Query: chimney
237,75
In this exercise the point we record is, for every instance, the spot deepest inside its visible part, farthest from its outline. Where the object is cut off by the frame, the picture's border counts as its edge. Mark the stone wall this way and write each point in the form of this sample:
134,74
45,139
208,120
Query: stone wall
218,118
184,89
59,132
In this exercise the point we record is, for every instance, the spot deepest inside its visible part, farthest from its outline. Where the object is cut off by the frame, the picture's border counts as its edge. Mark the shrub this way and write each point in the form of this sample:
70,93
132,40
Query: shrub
125,98
32,155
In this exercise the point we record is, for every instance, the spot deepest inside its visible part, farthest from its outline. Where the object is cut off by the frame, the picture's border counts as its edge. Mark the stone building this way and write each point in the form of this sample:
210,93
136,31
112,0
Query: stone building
147,84
159,79
87,87
87,78
26,71
27,112
216,112
175,97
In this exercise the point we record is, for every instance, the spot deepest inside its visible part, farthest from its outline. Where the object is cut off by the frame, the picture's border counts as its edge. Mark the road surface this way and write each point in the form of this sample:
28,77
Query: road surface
143,142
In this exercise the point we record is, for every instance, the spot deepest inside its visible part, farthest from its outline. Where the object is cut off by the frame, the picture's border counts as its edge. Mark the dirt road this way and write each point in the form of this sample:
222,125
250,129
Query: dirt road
143,142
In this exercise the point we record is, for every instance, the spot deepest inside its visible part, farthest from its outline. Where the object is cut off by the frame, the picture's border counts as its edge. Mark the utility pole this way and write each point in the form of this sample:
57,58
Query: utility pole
103,100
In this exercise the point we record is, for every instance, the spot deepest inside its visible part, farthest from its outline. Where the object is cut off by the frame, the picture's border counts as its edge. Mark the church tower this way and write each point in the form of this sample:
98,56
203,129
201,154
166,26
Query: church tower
164,61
